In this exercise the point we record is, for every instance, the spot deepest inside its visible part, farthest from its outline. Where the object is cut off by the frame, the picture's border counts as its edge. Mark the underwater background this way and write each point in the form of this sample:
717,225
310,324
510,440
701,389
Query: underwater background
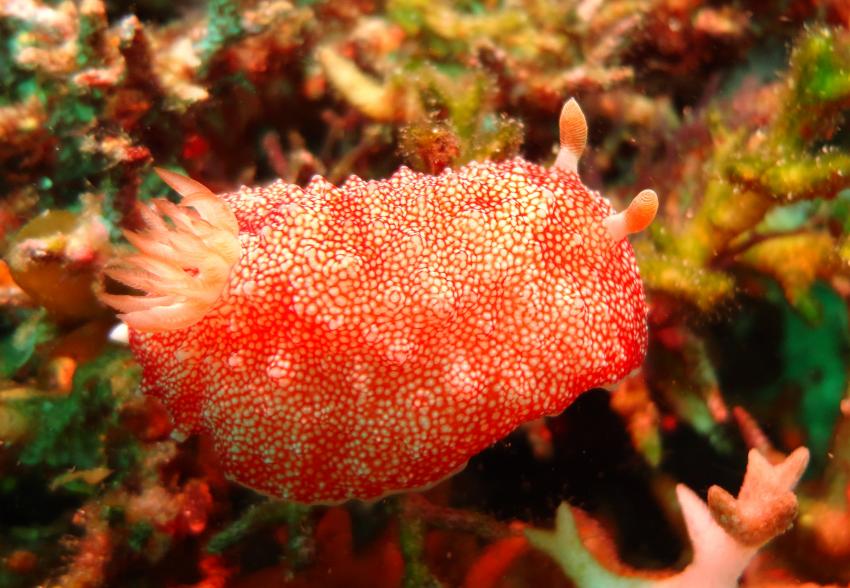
735,113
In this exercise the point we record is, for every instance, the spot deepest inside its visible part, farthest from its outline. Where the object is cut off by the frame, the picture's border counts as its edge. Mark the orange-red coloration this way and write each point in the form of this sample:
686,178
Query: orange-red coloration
372,337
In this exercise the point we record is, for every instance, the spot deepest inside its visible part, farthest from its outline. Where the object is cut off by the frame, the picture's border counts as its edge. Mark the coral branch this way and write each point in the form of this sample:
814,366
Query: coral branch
724,534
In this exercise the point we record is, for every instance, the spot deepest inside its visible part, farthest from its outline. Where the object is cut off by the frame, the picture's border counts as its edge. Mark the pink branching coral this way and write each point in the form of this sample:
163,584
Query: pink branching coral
725,533
372,337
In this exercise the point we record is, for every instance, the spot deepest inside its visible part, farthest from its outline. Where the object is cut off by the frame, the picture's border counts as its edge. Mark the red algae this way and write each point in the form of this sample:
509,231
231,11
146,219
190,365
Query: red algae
372,337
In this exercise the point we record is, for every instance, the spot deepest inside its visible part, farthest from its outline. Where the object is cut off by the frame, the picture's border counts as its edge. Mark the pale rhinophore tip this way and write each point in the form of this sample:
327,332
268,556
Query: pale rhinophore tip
183,259
635,218
573,131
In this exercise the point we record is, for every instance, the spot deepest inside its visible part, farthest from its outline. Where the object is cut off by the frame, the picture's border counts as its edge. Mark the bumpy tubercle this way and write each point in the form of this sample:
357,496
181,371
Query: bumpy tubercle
185,255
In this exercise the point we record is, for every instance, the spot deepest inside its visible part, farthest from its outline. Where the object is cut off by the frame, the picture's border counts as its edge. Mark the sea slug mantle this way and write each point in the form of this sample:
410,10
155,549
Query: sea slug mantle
347,342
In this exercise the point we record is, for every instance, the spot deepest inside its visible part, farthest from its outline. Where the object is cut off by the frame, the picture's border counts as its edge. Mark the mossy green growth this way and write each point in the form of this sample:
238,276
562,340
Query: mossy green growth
821,67
752,172
224,25
448,32
73,431
80,431
45,540
91,26
462,126
411,537
72,116
18,347
793,177
702,287
11,76
140,534
818,90
259,516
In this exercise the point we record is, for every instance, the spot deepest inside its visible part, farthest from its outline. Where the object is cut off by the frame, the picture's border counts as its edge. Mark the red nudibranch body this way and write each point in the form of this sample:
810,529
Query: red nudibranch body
348,342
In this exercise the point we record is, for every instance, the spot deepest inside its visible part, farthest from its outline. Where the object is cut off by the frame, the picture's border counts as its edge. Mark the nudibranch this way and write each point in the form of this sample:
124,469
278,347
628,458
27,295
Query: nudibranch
354,341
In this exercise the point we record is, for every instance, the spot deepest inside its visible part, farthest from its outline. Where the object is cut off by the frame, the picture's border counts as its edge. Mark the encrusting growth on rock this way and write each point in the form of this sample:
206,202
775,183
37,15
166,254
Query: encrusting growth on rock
370,338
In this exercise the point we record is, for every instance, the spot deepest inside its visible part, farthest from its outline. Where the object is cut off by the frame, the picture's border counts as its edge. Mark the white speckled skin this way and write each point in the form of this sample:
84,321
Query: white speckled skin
374,336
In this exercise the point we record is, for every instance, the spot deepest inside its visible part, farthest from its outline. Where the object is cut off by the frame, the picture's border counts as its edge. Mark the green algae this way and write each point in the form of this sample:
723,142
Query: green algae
224,26
821,64
18,348
256,518
70,431
416,572
745,183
